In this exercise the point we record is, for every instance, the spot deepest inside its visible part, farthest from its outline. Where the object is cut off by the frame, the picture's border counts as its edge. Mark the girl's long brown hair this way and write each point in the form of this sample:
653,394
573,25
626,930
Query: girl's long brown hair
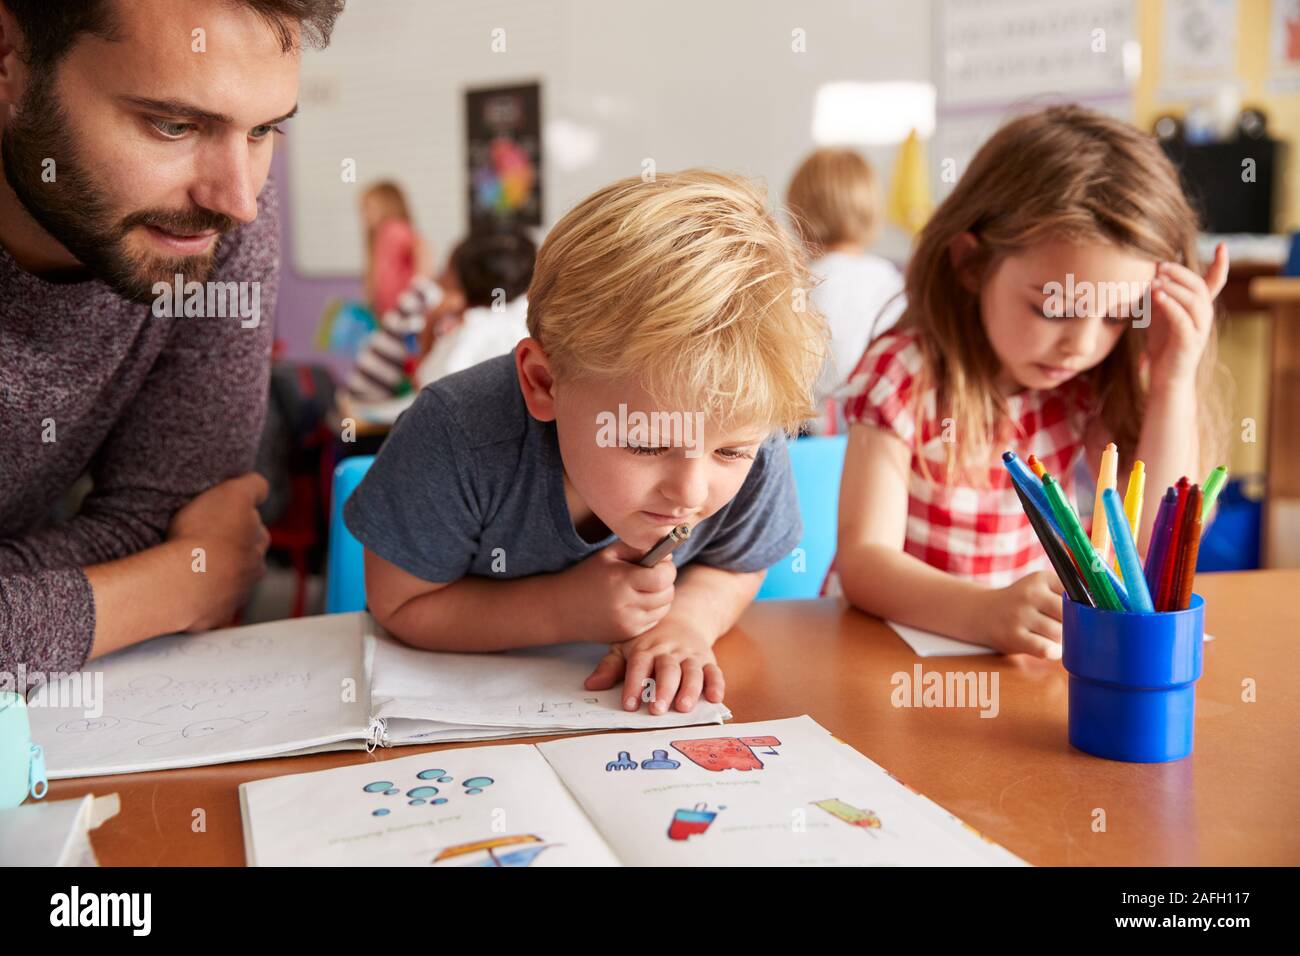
1060,173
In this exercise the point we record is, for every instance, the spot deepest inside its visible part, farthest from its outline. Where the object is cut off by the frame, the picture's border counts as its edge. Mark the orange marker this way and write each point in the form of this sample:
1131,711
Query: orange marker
1191,544
1037,467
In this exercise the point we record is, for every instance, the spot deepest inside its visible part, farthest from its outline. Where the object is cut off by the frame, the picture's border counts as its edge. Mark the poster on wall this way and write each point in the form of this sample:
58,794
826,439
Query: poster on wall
1200,46
1284,33
504,144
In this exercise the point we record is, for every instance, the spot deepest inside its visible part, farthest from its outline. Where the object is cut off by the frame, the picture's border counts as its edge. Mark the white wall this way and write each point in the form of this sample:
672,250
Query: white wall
684,82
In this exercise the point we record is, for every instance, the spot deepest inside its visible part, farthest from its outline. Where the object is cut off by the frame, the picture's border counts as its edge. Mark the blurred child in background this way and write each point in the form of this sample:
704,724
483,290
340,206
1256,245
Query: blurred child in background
834,205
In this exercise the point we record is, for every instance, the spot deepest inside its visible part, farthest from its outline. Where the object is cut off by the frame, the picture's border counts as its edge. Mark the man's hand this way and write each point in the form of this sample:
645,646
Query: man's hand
224,523
674,662
609,597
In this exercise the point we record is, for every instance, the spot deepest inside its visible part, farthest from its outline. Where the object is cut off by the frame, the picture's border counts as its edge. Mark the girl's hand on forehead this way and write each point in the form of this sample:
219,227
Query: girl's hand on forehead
1182,304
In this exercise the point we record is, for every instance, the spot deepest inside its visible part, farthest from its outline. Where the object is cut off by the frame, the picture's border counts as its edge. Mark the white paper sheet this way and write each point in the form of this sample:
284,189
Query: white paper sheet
217,697
477,806
929,644
779,792
53,832
516,692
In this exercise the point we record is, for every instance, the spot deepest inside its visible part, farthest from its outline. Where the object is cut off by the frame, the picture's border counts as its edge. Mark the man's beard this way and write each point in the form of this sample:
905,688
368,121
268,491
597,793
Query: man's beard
75,211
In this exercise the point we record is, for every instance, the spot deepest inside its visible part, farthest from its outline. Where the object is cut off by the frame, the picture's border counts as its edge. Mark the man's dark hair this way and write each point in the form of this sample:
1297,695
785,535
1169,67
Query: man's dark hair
486,261
50,27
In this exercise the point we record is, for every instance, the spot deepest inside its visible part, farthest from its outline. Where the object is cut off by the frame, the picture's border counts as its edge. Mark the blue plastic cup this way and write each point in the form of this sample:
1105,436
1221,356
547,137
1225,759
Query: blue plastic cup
1133,680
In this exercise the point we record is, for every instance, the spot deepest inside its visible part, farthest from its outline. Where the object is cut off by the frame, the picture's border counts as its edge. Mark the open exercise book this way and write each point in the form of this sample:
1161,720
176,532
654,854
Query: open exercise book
779,792
334,682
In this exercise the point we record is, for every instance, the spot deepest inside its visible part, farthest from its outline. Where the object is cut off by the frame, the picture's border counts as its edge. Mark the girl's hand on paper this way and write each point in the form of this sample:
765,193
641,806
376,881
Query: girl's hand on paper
1183,303
609,597
666,667
1024,618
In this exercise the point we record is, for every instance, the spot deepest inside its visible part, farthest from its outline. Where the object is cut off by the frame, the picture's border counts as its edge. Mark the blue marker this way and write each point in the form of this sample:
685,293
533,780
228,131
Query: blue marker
1126,552
1030,485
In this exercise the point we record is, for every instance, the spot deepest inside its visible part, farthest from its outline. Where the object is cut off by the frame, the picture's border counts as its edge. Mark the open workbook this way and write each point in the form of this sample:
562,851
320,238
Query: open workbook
779,792
333,682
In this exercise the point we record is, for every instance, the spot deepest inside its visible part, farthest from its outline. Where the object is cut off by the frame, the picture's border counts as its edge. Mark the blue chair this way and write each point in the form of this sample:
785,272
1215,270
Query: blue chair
345,577
817,463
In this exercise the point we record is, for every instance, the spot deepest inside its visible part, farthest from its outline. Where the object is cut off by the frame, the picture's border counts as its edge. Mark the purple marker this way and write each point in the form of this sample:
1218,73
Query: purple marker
1160,539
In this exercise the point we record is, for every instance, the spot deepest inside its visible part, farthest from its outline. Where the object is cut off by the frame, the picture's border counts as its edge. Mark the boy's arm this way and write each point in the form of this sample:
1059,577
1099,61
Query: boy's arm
606,597
472,614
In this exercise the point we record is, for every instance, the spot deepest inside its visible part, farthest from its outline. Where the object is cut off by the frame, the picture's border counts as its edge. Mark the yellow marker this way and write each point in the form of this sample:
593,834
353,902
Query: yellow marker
1107,476
1137,481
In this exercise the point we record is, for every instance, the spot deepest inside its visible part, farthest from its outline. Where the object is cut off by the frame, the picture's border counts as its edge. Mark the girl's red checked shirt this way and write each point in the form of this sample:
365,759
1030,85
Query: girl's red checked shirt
981,534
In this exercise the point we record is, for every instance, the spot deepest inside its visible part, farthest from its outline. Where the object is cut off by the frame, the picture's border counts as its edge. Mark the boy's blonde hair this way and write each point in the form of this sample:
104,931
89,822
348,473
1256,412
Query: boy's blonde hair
834,197
689,284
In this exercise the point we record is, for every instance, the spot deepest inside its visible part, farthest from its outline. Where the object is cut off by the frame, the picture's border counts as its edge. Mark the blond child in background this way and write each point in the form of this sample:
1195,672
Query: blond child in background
506,510
834,206
931,533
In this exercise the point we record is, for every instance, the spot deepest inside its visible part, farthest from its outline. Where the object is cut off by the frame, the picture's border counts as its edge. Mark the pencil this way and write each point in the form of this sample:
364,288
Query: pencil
1056,553
665,546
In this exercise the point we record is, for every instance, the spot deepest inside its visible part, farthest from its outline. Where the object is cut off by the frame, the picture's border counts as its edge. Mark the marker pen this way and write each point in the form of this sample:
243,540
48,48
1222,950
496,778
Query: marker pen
667,544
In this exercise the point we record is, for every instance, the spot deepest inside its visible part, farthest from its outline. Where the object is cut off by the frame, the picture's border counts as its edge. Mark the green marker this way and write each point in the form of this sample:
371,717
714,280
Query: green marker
1211,487
1089,561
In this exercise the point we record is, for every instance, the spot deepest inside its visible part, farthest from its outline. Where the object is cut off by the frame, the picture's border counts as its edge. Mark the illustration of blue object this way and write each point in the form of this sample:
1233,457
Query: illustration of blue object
624,762
659,761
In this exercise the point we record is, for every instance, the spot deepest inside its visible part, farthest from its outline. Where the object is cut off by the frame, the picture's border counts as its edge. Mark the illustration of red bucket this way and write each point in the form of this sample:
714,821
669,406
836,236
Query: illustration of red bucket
689,823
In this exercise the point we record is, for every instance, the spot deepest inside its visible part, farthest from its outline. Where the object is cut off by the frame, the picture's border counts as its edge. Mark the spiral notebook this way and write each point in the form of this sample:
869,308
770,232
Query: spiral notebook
333,682
778,792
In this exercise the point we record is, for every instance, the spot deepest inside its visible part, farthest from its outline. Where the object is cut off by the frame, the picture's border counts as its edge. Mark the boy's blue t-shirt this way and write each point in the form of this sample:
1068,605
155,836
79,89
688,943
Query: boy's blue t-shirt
469,478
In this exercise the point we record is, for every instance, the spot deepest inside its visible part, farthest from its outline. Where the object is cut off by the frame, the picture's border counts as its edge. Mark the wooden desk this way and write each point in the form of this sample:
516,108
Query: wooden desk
1014,777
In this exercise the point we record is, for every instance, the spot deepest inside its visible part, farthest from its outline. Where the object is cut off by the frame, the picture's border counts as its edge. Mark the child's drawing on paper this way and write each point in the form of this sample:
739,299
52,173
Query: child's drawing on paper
694,822
658,760
425,793
519,850
622,762
866,819
727,753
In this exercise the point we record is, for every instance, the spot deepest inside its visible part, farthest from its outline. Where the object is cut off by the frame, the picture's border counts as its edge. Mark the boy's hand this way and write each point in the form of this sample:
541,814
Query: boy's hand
1024,618
1184,303
609,597
674,663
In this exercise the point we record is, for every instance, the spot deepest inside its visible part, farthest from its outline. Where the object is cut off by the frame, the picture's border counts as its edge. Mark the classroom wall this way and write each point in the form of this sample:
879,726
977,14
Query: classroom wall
1244,337
1282,107
683,82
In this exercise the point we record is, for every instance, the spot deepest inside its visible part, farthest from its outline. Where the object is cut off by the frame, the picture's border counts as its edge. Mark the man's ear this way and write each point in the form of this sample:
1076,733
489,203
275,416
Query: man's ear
963,251
536,381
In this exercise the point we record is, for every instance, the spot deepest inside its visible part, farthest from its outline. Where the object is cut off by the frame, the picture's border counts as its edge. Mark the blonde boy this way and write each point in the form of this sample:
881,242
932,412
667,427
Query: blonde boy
668,348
